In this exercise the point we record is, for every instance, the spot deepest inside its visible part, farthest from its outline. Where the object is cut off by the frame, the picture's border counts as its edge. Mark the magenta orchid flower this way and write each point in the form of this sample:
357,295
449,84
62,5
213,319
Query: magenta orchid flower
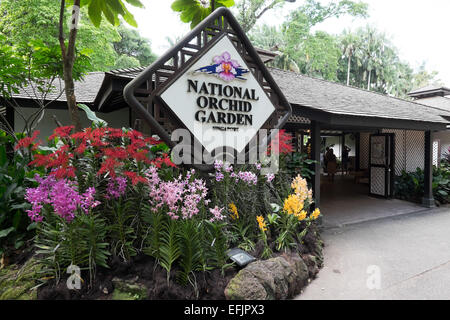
226,68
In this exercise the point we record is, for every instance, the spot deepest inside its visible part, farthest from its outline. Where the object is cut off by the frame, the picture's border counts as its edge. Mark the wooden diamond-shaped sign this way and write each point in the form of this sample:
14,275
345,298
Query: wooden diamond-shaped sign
212,83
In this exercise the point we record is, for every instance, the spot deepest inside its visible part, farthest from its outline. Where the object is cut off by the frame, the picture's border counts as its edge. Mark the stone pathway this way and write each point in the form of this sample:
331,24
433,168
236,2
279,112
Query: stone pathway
402,257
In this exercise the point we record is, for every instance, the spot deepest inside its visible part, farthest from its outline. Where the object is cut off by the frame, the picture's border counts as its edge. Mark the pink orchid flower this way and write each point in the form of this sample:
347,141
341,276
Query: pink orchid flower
226,68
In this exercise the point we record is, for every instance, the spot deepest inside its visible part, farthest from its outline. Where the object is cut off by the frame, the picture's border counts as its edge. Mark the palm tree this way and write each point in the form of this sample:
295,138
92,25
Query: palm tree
349,42
370,52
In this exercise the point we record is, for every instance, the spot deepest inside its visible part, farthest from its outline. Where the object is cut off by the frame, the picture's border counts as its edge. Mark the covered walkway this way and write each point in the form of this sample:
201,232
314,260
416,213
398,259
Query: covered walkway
345,202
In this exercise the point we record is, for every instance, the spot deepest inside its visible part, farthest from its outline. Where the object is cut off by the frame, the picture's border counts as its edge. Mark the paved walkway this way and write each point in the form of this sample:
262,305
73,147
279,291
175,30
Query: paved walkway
402,257
345,202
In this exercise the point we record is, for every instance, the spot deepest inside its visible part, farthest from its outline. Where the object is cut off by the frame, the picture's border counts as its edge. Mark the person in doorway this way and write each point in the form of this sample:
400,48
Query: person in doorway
345,153
325,158
331,165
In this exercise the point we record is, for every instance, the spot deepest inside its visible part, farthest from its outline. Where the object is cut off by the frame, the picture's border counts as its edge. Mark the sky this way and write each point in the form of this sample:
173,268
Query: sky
418,28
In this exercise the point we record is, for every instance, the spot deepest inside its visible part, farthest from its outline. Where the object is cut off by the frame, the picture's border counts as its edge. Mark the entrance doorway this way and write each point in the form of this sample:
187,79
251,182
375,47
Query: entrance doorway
382,164
347,201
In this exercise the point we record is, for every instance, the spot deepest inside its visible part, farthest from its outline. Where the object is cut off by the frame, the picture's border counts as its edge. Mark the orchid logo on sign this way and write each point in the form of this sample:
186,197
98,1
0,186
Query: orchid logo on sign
225,68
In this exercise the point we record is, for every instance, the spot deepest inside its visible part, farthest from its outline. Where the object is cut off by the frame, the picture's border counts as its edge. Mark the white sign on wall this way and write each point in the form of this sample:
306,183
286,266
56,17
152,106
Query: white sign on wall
219,100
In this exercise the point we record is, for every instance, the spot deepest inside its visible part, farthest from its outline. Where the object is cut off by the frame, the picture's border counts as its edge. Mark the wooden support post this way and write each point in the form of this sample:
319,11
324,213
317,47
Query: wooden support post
342,152
428,199
315,155
357,151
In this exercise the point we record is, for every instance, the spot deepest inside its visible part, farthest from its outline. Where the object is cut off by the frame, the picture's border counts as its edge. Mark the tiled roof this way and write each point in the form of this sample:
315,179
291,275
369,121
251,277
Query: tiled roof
128,72
428,89
299,90
86,90
339,99
442,103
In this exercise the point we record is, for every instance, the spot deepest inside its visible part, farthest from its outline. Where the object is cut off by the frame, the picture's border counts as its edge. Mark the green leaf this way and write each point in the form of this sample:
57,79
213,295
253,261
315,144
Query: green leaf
225,3
188,14
135,3
32,226
8,191
18,244
84,2
116,7
129,18
180,5
5,232
16,219
23,205
95,12
44,148
3,156
108,13
91,115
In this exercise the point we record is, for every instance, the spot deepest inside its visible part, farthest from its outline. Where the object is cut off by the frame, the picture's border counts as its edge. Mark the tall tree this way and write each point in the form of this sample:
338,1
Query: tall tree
96,10
248,12
371,61
312,53
422,77
272,39
35,72
349,43
27,20
132,47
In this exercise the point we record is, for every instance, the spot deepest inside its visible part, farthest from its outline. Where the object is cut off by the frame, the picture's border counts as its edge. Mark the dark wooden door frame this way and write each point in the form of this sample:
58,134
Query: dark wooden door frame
389,164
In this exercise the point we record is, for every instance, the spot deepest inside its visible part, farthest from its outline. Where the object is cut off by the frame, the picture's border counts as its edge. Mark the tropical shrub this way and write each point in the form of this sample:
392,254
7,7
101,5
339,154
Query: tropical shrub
105,194
290,163
15,177
183,230
410,185
298,163
294,222
112,192
254,206
88,205
245,192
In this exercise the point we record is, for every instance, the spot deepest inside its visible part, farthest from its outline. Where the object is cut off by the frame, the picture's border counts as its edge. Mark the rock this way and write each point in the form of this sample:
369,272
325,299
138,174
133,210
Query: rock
18,283
312,264
128,290
245,286
271,274
276,278
300,275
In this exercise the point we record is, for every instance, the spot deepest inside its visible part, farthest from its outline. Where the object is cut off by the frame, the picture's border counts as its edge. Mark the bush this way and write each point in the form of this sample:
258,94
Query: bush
112,194
15,177
89,203
279,217
410,185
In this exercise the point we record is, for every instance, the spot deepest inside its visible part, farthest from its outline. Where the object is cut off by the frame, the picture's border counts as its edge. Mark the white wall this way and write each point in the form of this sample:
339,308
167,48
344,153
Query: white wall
116,119
444,139
337,141
409,149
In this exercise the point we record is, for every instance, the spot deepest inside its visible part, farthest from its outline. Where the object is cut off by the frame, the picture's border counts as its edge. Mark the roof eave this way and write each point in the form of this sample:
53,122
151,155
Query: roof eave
361,121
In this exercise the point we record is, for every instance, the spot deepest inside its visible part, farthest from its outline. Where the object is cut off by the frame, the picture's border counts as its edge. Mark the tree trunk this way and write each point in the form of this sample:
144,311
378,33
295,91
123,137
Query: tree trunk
68,57
368,81
71,98
348,68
